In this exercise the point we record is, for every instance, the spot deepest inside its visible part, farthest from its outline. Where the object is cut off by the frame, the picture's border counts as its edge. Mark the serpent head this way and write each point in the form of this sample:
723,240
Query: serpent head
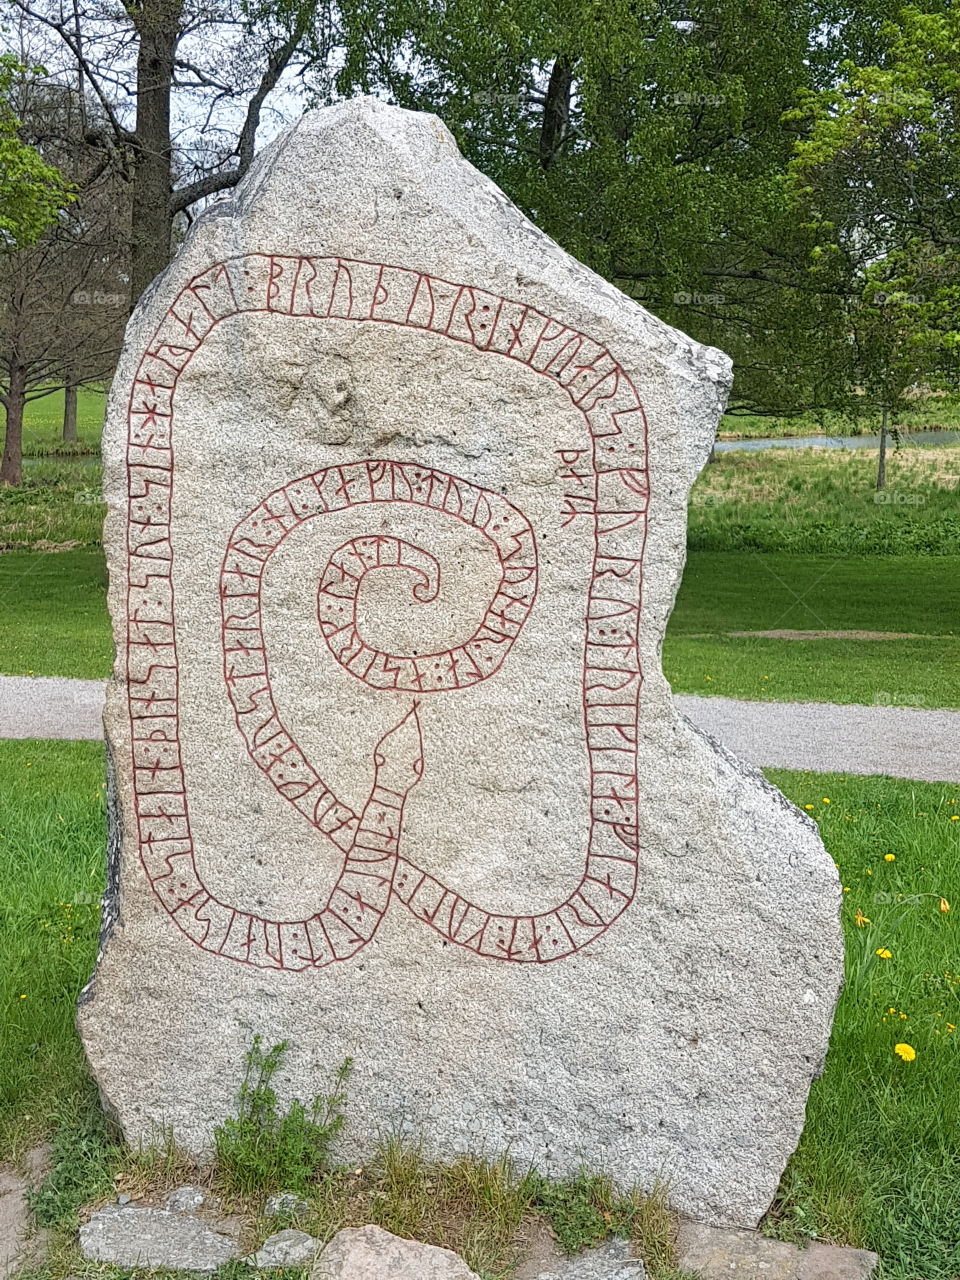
398,756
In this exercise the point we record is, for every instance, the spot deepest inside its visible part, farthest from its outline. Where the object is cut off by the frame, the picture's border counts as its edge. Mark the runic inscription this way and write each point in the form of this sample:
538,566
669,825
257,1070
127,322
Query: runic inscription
612,493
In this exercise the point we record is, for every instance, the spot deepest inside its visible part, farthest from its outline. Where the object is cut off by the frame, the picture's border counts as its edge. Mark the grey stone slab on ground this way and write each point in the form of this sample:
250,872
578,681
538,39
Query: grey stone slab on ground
370,1253
614,1260
130,1236
904,742
717,1253
50,707
288,1248
14,1223
396,497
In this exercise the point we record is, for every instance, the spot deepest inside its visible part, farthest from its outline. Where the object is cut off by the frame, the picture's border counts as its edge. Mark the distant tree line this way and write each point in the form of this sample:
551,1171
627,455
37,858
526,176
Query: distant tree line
776,177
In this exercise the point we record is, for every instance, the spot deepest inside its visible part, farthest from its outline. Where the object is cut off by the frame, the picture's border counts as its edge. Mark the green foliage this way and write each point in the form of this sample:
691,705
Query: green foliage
85,1159
584,1210
264,1148
652,144
874,175
32,192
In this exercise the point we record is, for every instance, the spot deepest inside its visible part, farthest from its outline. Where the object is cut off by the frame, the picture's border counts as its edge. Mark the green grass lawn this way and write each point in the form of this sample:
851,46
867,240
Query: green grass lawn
43,424
53,614
879,1162
51,879
811,514
723,592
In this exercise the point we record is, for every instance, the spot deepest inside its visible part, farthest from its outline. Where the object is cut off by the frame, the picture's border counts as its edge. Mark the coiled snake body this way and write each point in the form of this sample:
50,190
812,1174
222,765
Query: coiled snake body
374,871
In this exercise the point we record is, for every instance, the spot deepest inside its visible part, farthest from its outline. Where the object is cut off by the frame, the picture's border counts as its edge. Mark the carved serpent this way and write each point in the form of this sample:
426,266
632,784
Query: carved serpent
373,869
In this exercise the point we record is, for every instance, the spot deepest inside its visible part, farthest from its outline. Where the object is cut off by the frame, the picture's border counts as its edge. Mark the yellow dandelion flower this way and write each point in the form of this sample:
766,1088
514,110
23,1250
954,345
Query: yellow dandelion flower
883,953
950,1026
24,996
889,857
955,817
944,905
860,920
808,806
846,888
826,799
903,1016
905,1051
891,1010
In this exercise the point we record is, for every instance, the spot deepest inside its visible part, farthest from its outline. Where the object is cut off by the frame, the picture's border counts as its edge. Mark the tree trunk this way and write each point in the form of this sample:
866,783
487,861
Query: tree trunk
556,111
882,464
11,466
70,412
158,24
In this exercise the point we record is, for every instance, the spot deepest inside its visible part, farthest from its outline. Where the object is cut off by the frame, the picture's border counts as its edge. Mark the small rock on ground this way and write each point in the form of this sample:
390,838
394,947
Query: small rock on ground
185,1199
369,1253
132,1237
727,1253
286,1204
286,1249
614,1260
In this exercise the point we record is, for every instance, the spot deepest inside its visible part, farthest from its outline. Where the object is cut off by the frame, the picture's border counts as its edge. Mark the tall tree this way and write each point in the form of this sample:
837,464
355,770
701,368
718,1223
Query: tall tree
876,177
652,142
63,300
181,87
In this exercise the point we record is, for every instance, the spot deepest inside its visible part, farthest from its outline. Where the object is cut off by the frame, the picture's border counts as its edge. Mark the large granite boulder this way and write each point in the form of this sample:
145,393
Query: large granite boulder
397,496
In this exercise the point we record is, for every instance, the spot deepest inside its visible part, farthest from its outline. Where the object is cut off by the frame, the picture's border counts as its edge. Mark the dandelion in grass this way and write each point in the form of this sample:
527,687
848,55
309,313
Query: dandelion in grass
944,905
826,799
955,817
883,953
846,888
808,806
860,920
889,857
905,1051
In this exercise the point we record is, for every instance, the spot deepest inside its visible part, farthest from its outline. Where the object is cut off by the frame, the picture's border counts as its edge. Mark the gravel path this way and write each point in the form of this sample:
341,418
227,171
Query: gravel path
904,742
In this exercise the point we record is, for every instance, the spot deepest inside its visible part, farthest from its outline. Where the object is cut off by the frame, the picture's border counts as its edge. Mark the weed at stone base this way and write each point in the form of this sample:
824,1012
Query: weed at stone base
262,1148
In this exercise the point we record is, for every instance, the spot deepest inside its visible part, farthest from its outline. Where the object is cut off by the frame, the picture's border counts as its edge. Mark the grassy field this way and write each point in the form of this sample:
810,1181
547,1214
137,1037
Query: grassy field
779,541
879,1162
724,592
43,424
807,501
53,614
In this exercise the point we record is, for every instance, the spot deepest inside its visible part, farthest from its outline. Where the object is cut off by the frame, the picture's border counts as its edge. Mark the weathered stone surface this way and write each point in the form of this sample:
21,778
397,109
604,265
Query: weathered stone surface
14,1223
185,1199
131,1236
287,1248
614,1260
397,497
285,1204
370,1253
21,1243
717,1253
